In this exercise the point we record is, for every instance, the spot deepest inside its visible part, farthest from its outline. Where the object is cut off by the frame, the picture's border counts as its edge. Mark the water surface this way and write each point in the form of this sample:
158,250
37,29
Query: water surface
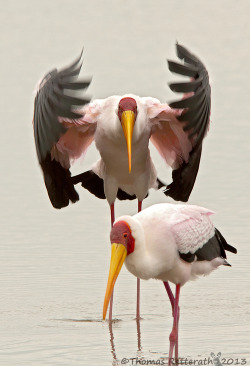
54,264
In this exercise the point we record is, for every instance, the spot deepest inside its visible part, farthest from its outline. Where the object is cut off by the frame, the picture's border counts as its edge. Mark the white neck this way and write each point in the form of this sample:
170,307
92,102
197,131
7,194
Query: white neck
137,261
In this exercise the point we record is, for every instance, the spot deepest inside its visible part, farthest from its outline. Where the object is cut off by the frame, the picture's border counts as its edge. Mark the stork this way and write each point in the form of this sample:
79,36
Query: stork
168,242
121,126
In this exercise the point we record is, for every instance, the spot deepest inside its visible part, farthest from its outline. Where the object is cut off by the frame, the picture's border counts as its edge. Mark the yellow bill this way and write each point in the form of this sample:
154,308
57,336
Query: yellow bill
128,121
118,256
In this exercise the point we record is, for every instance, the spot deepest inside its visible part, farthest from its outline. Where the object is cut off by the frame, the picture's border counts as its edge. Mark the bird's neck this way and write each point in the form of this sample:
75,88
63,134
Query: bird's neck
137,261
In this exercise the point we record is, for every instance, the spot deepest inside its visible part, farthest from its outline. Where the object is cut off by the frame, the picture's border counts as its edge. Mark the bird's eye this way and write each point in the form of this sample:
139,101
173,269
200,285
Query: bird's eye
125,235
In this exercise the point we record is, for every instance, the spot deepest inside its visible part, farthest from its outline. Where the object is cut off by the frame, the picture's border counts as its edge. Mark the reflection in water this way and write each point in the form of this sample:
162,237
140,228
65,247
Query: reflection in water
115,361
112,343
80,320
138,325
47,256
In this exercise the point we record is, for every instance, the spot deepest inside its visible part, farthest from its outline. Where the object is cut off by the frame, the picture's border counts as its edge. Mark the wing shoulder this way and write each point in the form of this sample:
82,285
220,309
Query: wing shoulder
192,228
197,238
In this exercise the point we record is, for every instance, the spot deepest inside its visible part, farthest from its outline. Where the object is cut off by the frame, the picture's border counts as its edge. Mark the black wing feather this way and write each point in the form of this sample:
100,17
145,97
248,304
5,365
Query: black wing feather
58,183
52,97
215,247
182,69
186,87
195,119
77,85
184,177
52,102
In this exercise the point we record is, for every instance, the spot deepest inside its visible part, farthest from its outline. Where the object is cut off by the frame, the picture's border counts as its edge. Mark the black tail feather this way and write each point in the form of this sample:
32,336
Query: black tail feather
224,243
91,182
213,248
95,185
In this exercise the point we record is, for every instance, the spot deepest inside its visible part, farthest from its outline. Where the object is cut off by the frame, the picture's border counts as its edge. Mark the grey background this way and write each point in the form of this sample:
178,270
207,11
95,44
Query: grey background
54,264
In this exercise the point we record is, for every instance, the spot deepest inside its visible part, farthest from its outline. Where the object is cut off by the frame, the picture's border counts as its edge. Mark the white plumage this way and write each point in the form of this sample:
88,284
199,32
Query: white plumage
110,141
167,242
121,127
163,231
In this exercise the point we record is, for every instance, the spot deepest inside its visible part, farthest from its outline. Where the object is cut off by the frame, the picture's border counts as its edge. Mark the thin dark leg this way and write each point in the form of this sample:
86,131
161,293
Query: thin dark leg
111,306
174,334
138,279
138,300
171,298
177,337
170,295
112,212
139,206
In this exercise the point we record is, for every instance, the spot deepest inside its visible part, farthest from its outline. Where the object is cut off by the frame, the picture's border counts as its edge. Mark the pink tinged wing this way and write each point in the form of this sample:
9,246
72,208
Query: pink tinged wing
168,135
192,228
75,142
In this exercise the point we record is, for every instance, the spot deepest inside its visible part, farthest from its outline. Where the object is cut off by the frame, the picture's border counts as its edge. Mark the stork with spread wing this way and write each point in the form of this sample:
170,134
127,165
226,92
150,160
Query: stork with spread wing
121,126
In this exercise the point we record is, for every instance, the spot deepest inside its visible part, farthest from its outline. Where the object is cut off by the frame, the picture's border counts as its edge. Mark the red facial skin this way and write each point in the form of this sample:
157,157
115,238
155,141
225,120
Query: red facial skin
121,234
127,104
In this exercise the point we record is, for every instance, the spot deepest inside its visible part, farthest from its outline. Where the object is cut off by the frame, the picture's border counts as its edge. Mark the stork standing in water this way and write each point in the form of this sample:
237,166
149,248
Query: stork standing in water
168,242
121,126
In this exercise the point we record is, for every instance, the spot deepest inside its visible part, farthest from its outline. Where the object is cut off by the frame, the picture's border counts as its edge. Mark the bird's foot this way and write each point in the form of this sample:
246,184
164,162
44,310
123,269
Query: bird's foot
173,338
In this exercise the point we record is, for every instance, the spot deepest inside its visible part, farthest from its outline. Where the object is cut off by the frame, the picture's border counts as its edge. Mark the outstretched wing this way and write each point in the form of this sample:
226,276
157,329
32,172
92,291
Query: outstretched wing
179,128
61,131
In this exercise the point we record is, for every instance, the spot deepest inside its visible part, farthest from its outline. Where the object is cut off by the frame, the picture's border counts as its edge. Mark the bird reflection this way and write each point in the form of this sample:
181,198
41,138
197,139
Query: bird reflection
138,327
115,360
112,343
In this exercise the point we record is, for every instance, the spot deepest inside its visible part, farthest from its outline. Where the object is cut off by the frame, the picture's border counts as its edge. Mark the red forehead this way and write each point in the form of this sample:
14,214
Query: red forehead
117,236
127,104
118,230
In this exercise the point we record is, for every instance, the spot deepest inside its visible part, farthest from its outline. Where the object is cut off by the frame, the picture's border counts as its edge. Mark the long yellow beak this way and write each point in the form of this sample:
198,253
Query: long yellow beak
128,121
118,256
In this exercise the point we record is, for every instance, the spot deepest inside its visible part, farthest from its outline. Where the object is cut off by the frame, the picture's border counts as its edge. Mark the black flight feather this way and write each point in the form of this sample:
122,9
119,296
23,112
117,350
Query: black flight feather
213,248
195,119
52,102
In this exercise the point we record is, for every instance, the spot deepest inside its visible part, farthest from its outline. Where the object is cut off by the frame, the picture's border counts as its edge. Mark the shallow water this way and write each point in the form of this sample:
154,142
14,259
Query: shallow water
54,264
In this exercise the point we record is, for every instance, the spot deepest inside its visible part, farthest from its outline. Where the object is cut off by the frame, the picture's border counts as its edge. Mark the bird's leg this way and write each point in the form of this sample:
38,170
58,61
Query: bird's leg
170,295
138,300
112,212
111,306
174,333
139,206
171,298
138,279
177,337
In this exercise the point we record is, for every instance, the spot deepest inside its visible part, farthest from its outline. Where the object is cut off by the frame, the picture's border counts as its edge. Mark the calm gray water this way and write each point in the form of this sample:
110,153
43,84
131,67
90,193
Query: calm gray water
54,264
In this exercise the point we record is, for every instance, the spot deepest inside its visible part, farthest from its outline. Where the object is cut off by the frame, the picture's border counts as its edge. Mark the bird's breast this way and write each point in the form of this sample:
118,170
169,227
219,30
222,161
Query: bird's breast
114,153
